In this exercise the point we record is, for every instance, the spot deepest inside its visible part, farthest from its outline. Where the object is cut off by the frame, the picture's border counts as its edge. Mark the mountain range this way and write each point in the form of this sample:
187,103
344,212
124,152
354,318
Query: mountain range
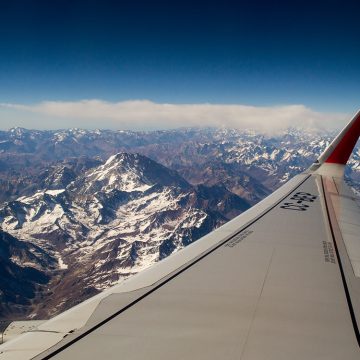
104,225
82,209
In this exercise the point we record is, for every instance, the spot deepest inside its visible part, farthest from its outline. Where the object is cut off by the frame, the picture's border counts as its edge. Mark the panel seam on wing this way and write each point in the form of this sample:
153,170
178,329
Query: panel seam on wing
257,303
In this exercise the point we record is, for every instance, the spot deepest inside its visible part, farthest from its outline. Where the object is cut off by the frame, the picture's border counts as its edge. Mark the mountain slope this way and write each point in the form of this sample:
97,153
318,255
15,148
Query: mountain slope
114,220
25,273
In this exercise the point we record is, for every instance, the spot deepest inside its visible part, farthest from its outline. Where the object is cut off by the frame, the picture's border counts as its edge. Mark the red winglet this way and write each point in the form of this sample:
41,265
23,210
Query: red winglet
344,144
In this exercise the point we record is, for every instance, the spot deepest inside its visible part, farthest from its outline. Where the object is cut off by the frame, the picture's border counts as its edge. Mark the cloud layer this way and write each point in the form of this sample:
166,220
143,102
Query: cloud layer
144,114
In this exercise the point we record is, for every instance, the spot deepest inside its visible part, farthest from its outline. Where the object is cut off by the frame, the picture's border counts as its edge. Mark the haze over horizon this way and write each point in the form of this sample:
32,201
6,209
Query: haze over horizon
126,65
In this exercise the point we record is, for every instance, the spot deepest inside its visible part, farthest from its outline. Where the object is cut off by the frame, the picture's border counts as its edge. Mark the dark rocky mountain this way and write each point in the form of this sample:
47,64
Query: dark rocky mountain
232,176
25,274
52,176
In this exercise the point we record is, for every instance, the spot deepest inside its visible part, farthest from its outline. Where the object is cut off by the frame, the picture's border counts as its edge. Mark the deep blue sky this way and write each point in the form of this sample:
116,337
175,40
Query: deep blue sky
245,52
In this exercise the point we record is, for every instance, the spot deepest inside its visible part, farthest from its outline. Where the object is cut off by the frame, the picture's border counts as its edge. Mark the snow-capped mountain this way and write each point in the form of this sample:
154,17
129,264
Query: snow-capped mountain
115,220
128,172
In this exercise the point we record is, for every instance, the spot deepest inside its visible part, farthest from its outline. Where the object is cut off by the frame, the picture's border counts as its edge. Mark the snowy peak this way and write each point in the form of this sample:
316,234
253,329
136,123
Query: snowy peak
129,172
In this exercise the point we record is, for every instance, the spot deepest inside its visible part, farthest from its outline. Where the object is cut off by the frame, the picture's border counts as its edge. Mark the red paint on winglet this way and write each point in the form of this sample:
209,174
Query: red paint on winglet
343,150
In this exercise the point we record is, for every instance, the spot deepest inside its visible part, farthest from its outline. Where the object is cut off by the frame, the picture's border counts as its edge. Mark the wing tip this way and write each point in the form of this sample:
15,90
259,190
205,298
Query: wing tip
339,151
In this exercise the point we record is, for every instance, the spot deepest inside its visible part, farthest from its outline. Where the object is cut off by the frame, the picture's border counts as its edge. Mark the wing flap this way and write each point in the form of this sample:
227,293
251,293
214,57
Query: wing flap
344,214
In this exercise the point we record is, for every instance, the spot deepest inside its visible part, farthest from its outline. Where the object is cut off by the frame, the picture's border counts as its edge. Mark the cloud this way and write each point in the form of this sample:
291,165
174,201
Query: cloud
145,114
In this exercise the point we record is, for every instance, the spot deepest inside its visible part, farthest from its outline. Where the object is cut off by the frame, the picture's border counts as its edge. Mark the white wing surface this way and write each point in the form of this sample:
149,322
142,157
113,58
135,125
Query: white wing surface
280,281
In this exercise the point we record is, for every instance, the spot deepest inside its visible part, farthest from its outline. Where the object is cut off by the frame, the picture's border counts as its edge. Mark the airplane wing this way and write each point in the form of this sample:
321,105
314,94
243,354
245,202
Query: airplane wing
280,281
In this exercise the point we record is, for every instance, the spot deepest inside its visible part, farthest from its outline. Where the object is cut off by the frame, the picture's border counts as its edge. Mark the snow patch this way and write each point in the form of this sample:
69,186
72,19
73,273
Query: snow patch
54,192
61,263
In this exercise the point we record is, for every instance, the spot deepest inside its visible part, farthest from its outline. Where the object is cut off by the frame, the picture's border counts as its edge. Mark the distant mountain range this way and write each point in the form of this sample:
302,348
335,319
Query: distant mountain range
192,152
81,210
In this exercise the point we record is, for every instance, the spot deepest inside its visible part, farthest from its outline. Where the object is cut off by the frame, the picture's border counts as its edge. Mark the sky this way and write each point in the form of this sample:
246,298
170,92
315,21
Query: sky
124,64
